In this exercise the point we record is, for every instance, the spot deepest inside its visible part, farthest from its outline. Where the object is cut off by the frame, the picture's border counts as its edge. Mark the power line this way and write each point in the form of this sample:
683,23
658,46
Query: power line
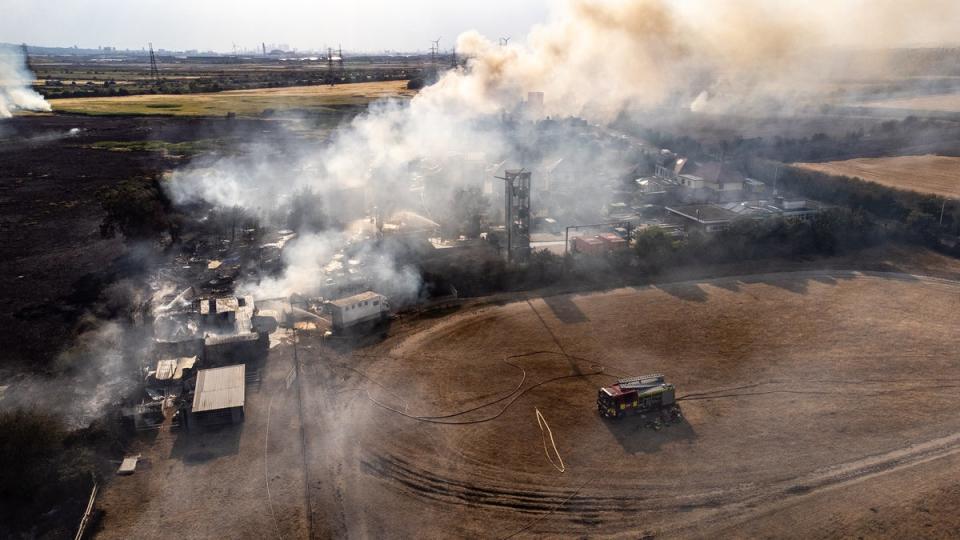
154,72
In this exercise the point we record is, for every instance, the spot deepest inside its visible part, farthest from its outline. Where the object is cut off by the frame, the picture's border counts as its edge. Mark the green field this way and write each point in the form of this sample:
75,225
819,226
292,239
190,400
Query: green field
250,103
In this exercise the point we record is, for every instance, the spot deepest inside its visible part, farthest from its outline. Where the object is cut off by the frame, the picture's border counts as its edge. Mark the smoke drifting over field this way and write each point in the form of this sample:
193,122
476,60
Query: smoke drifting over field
15,80
593,60
95,372
596,58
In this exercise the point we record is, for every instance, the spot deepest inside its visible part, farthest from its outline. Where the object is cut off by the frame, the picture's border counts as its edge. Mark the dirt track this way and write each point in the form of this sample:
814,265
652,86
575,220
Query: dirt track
801,388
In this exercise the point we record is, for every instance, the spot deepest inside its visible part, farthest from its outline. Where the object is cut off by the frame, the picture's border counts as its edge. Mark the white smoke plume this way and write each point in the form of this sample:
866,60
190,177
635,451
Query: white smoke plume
94,373
593,59
15,80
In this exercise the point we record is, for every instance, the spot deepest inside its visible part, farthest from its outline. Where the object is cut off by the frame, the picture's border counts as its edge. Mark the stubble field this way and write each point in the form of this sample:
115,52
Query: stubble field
806,395
937,175
312,99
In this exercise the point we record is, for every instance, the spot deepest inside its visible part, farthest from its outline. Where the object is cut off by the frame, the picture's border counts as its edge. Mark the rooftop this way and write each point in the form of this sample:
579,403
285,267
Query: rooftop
215,339
704,213
350,300
172,368
220,388
589,239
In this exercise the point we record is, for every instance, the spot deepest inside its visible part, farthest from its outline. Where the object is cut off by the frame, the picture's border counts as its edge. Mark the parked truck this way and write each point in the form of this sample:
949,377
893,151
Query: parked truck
637,394
357,309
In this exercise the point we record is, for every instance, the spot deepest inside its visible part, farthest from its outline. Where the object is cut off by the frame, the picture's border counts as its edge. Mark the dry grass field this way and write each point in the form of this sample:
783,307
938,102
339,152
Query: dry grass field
240,102
816,404
938,103
937,175
812,395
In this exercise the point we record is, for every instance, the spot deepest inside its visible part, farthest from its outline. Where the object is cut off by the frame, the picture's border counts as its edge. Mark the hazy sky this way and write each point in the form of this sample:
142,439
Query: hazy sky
218,24
409,25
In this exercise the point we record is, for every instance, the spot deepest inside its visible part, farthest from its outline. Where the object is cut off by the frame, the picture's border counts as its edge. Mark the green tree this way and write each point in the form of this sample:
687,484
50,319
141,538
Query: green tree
654,248
138,209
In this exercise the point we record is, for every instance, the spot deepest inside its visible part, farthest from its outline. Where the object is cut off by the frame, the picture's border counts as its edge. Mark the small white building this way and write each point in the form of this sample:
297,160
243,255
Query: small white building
360,308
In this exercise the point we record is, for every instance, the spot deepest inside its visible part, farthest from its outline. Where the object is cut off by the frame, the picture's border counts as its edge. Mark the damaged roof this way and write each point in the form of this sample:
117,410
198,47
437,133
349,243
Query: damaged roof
172,368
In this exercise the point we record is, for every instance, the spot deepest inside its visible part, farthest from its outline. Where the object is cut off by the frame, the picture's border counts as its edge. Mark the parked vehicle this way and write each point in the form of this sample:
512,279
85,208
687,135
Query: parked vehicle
636,394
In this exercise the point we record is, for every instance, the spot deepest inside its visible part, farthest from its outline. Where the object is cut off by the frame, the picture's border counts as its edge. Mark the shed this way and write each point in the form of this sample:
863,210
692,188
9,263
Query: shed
219,395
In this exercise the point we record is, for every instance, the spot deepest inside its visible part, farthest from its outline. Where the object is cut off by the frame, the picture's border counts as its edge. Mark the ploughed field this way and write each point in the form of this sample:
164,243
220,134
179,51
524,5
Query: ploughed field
937,175
815,404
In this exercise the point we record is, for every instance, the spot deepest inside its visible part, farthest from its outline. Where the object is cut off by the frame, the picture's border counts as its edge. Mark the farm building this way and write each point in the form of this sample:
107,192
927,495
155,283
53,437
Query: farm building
357,309
171,370
218,396
227,314
229,349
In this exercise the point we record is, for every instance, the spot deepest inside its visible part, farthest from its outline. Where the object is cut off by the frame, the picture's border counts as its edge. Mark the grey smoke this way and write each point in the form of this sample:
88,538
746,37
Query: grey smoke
95,372
593,60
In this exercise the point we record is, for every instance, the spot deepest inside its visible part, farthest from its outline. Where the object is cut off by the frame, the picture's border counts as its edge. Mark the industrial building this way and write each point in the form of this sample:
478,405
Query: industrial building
218,397
517,214
718,216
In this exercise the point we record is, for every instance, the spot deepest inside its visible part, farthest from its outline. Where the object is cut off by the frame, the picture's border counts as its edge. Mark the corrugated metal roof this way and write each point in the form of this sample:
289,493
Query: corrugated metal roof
220,388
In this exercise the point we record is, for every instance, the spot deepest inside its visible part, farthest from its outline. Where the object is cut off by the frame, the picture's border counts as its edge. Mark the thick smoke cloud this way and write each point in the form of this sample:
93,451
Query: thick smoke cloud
15,80
593,59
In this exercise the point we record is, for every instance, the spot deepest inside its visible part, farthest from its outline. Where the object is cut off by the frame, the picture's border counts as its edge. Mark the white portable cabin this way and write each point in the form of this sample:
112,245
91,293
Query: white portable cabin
363,307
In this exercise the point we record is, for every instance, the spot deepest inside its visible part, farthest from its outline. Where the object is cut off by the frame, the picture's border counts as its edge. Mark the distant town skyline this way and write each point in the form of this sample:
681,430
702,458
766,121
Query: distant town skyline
221,25
410,26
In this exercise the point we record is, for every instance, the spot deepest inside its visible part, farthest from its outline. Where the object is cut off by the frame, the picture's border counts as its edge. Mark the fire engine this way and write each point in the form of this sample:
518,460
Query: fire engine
635,394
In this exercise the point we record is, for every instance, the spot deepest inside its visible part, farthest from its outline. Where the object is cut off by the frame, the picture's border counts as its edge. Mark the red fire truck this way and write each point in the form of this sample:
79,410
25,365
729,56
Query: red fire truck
637,395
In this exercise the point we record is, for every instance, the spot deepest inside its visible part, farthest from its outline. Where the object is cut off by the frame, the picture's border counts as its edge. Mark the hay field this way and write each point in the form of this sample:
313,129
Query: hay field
937,175
239,102
938,103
